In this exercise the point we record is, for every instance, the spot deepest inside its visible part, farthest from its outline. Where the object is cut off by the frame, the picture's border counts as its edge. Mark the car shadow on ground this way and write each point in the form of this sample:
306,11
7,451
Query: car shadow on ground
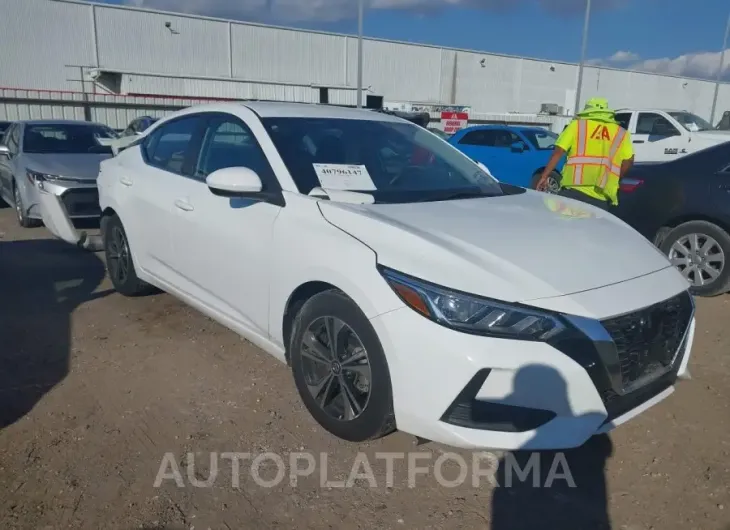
563,490
41,283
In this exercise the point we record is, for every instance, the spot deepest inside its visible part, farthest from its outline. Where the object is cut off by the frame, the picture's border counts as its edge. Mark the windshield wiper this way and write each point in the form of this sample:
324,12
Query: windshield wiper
459,195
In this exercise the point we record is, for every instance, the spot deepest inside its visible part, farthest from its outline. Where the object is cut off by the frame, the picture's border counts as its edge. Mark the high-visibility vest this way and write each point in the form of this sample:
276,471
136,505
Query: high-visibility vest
595,164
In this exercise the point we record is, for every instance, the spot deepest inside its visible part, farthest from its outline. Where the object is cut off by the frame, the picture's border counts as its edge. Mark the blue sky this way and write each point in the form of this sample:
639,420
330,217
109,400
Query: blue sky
671,36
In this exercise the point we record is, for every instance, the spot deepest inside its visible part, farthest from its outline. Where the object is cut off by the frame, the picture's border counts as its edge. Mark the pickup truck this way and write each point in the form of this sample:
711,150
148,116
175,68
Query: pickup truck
663,135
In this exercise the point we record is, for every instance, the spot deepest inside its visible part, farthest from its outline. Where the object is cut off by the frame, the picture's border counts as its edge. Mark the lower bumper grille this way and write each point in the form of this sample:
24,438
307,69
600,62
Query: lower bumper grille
648,341
82,202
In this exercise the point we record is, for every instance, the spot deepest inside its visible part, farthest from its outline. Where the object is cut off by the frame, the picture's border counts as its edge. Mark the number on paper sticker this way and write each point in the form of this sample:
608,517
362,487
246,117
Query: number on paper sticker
344,177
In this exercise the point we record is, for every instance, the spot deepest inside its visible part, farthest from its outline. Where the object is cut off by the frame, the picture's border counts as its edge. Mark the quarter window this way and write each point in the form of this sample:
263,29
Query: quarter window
624,120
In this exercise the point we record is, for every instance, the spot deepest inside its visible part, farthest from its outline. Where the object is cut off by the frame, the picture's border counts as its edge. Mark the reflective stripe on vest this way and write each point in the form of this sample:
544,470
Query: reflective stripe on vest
580,160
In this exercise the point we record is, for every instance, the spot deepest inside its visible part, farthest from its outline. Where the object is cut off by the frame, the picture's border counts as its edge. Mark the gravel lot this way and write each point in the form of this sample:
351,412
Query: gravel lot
95,390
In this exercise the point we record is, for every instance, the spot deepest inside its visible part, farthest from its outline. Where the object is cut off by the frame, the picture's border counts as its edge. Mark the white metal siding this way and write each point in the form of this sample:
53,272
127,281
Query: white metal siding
272,54
139,41
46,35
41,37
397,71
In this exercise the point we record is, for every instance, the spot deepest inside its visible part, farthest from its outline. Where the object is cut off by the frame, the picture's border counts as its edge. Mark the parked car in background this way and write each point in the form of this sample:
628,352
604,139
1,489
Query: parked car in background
515,155
361,249
63,156
663,135
438,132
139,125
683,207
134,130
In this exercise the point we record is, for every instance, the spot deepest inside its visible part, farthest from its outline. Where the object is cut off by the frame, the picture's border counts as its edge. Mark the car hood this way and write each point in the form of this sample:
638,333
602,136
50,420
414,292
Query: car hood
83,166
514,248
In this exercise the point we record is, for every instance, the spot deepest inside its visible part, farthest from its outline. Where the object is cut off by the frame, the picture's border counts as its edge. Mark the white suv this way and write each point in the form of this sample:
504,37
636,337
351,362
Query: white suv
405,287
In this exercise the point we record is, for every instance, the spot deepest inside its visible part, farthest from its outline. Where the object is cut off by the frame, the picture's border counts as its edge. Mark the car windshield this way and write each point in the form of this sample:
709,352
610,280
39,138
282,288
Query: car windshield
691,122
392,161
4,125
65,138
540,140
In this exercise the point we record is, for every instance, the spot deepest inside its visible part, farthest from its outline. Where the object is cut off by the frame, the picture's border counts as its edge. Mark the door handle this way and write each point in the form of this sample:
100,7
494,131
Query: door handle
638,141
126,181
184,205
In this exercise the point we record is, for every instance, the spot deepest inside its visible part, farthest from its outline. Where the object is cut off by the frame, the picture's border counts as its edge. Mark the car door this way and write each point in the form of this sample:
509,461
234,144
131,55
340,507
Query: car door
488,147
148,187
225,243
524,159
656,138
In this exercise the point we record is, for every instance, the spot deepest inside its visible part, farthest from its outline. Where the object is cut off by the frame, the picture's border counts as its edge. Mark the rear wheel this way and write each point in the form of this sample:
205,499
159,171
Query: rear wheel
340,369
119,260
700,251
23,219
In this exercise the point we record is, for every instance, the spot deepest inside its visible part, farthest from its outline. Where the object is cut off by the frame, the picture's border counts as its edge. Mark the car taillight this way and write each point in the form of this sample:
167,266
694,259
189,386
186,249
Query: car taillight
629,185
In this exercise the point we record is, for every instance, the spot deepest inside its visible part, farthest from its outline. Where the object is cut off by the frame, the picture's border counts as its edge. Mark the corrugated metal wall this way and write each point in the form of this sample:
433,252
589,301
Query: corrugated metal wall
275,63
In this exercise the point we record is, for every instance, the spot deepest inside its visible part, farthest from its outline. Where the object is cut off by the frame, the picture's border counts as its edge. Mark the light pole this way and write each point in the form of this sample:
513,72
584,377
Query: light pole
582,57
719,71
360,14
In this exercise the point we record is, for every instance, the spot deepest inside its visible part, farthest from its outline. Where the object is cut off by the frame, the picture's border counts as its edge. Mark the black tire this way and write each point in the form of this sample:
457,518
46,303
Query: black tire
720,284
555,176
376,418
119,259
23,219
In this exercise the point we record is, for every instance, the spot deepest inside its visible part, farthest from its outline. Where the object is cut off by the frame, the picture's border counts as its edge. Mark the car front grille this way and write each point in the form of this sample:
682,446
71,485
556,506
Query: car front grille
648,341
82,202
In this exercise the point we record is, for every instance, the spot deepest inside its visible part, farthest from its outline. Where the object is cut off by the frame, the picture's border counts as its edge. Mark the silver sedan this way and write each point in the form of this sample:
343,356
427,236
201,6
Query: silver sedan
61,156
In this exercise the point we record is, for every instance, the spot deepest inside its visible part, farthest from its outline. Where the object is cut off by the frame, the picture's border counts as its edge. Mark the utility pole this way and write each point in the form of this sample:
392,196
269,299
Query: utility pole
719,71
360,14
582,57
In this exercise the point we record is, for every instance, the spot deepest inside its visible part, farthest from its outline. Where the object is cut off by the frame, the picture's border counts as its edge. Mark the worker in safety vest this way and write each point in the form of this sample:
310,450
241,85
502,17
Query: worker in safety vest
599,154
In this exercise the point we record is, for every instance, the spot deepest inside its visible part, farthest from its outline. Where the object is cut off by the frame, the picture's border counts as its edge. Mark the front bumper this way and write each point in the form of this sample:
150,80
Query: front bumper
52,200
479,392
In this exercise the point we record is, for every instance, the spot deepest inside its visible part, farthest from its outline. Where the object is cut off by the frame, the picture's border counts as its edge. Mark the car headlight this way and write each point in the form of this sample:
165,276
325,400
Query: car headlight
473,314
35,176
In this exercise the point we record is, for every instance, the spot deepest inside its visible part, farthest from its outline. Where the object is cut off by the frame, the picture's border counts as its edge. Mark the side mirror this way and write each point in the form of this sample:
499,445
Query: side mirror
517,147
5,151
234,182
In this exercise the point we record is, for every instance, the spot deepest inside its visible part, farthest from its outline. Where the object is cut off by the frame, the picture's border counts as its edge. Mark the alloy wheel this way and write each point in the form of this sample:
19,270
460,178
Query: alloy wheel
553,184
336,368
698,257
118,256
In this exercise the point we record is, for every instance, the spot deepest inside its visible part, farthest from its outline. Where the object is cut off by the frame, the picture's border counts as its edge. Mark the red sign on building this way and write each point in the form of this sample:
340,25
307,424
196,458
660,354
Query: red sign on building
454,121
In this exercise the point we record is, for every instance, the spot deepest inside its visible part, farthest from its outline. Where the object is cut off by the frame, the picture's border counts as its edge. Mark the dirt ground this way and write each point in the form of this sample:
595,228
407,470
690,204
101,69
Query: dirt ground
96,389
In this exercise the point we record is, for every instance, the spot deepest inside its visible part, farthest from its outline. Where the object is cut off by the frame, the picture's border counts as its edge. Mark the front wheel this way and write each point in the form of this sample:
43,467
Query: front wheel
700,251
340,369
119,259
23,219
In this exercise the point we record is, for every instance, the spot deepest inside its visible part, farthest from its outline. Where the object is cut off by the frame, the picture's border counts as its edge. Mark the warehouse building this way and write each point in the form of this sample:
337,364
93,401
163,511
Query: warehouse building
111,63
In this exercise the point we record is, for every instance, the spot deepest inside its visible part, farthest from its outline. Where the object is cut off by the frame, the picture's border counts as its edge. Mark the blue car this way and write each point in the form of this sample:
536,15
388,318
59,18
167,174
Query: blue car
515,155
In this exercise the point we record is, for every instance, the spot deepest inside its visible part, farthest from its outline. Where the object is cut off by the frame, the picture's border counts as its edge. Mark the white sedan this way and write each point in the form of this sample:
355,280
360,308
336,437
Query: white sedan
405,287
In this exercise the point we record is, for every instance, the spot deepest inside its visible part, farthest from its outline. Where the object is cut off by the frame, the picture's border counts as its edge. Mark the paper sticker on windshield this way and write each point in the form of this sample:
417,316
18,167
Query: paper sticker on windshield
344,177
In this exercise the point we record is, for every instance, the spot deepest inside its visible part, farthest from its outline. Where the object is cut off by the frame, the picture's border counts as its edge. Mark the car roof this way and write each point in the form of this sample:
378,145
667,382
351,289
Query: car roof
59,122
273,109
649,110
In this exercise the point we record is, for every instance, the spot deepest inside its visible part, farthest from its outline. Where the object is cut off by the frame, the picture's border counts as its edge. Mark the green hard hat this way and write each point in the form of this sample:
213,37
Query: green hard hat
597,108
